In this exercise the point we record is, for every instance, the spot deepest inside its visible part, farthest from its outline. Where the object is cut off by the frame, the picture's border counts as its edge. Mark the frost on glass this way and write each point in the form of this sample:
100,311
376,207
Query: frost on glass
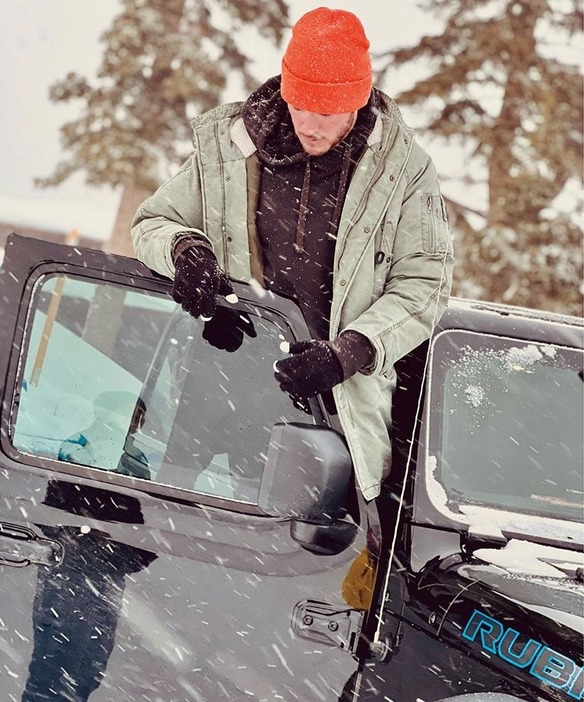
511,424
124,381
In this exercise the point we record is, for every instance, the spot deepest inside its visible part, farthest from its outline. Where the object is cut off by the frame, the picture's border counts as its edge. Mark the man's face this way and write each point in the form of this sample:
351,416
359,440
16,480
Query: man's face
320,133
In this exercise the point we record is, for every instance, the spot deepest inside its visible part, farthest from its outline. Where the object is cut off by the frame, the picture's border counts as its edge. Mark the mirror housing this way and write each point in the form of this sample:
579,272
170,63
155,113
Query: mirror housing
324,539
307,473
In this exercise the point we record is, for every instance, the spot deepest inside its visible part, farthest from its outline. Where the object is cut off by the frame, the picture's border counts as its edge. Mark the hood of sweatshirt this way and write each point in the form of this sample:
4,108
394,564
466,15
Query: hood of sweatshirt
269,124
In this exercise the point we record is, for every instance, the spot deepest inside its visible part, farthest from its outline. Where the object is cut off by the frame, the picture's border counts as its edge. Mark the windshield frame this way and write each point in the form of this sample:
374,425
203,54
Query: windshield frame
432,505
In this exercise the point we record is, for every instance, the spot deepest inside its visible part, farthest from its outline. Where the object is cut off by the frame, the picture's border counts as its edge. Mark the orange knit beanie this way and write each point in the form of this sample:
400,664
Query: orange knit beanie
326,67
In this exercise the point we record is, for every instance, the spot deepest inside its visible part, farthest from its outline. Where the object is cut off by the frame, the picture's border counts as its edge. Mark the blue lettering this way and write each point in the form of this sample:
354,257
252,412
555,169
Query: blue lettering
508,650
553,668
547,665
577,687
490,630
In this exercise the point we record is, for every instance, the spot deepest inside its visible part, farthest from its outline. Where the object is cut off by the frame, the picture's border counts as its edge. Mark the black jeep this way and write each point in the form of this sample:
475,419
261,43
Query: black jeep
173,527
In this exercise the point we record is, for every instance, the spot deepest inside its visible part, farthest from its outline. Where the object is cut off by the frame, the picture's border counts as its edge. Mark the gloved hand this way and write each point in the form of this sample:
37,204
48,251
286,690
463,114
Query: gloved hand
198,281
315,367
227,328
311,369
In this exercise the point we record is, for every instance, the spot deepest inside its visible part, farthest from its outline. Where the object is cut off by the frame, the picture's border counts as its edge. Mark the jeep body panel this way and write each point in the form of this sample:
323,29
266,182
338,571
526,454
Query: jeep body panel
130,580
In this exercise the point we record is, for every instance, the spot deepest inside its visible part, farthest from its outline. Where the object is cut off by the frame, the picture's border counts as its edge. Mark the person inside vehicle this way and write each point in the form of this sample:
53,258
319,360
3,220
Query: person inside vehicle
316,189
108,443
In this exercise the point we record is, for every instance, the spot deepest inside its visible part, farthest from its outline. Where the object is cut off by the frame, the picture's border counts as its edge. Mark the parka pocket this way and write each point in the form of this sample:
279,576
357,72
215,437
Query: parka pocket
434,220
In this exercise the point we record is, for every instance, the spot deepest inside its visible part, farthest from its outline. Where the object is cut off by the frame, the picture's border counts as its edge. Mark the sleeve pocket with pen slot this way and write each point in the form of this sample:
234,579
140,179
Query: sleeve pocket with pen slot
435,230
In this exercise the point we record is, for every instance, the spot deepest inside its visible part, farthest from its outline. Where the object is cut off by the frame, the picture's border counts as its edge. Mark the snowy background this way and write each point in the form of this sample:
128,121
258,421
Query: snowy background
42,40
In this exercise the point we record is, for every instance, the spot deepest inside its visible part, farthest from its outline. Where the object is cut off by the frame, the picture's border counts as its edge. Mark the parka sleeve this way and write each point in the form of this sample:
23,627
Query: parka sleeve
175,209
418,282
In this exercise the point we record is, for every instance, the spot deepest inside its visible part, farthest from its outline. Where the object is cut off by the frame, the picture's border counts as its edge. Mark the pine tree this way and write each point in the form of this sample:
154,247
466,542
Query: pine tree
163,59
494,84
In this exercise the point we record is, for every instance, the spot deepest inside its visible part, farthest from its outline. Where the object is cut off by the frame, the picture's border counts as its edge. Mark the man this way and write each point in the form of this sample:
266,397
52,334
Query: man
315,188
108,443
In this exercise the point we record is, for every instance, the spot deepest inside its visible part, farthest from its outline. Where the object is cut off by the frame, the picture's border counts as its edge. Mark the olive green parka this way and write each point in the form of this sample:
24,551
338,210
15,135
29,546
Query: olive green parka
393,256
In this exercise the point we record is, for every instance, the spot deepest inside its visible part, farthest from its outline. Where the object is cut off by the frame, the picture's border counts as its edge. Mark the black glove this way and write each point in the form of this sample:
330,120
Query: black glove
227,328
198,281
315,367
311,369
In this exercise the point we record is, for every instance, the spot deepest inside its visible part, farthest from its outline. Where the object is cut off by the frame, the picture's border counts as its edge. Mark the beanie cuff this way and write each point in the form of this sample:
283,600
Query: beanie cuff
324,98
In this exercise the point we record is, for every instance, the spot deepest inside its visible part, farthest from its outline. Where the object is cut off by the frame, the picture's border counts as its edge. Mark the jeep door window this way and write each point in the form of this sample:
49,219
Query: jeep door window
124,381
510,433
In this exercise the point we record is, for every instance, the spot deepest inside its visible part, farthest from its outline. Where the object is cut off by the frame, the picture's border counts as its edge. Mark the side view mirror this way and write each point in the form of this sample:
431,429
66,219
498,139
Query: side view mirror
307,473
324,539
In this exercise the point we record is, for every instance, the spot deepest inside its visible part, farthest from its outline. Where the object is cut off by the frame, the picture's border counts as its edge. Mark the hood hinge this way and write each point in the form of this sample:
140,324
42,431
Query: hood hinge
331,626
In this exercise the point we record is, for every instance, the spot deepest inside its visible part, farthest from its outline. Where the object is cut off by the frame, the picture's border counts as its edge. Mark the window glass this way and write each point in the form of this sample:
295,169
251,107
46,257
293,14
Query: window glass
511,423
125,381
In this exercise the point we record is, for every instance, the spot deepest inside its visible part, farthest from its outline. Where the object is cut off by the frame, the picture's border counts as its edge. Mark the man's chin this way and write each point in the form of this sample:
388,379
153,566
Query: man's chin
315,148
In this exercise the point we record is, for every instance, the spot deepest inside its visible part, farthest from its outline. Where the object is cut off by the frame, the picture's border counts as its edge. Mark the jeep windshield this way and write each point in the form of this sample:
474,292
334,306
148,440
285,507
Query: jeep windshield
511,429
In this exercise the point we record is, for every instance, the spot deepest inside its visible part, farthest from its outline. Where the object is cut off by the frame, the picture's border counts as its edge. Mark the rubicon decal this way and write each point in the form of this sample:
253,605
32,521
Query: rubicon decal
543,663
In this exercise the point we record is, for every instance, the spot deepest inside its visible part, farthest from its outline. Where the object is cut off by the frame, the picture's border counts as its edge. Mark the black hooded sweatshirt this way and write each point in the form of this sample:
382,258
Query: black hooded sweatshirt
300,202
